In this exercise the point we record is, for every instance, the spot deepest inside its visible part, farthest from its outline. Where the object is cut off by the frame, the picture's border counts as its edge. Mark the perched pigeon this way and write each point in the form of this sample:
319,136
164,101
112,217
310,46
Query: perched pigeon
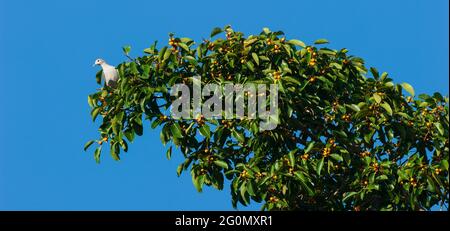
110,73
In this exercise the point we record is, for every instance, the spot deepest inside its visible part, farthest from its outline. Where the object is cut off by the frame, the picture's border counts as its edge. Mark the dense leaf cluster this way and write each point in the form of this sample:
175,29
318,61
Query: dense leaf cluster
344,141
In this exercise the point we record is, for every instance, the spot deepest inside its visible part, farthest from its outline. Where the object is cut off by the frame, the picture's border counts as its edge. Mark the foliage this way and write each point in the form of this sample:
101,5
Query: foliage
345,141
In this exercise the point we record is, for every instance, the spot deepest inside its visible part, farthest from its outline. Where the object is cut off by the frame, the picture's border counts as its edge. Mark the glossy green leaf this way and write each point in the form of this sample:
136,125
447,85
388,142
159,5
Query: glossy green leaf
440,128
297,42
321,41
88,144
216,31
387,107
205,131
337,157
126,49
97,154
408,88
292,157
309,147
255,58
221,164
319,166
240,137
169,153
377,97
176,130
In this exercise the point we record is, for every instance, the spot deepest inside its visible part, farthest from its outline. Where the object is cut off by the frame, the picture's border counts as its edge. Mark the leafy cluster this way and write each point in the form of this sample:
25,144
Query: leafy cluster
344,141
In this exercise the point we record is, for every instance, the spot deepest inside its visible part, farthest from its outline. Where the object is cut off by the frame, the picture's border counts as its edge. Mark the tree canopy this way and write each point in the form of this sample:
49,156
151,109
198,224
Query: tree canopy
348,138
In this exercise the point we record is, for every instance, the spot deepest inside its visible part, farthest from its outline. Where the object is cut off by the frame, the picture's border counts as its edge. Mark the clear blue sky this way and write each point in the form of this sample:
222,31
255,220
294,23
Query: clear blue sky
47,49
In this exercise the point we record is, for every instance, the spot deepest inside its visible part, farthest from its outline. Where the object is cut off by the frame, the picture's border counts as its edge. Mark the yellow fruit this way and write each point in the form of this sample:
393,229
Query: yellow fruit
305,156
277,75
326,152
312,62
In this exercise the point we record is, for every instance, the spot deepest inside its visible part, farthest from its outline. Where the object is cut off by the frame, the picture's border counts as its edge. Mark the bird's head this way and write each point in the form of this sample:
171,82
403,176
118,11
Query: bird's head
99,62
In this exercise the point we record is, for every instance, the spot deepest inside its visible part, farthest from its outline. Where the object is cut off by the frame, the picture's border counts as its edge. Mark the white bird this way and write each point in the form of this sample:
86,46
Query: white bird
110,73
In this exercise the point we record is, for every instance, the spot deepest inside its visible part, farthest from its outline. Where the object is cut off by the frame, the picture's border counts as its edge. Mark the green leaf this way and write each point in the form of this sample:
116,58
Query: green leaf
221,164
382,177
191,59
372,178
91,102
138,129
375,73
167,54
161,53
164,135
124,145
179,169
197,182
88,144
292,80
368,136
310,146
216,31
291,155
148,51
377,97
266,30
115,150
176,130
319,166
354,107
297,43
126,49
186,40
304,183
184,46
240,137
129,134
169,153
320,41
408,88
97,154
98,77
387,107
440,128
205,131
444,164
145,71
337,157
243,191
250,188
348,195
94,113
250,66
256,58
340,133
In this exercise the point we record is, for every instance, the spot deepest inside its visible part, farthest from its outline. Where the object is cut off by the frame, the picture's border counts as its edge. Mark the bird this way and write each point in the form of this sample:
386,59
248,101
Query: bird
110,73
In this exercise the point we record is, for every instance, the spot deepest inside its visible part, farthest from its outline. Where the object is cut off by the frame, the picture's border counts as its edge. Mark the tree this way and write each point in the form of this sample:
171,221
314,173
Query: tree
345,141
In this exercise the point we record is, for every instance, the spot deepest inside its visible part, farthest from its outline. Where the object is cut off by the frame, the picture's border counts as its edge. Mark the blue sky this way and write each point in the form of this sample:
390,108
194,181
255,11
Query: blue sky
46,53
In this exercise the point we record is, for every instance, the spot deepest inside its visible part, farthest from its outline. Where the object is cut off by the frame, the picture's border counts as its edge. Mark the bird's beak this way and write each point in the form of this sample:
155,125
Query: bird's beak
94,65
